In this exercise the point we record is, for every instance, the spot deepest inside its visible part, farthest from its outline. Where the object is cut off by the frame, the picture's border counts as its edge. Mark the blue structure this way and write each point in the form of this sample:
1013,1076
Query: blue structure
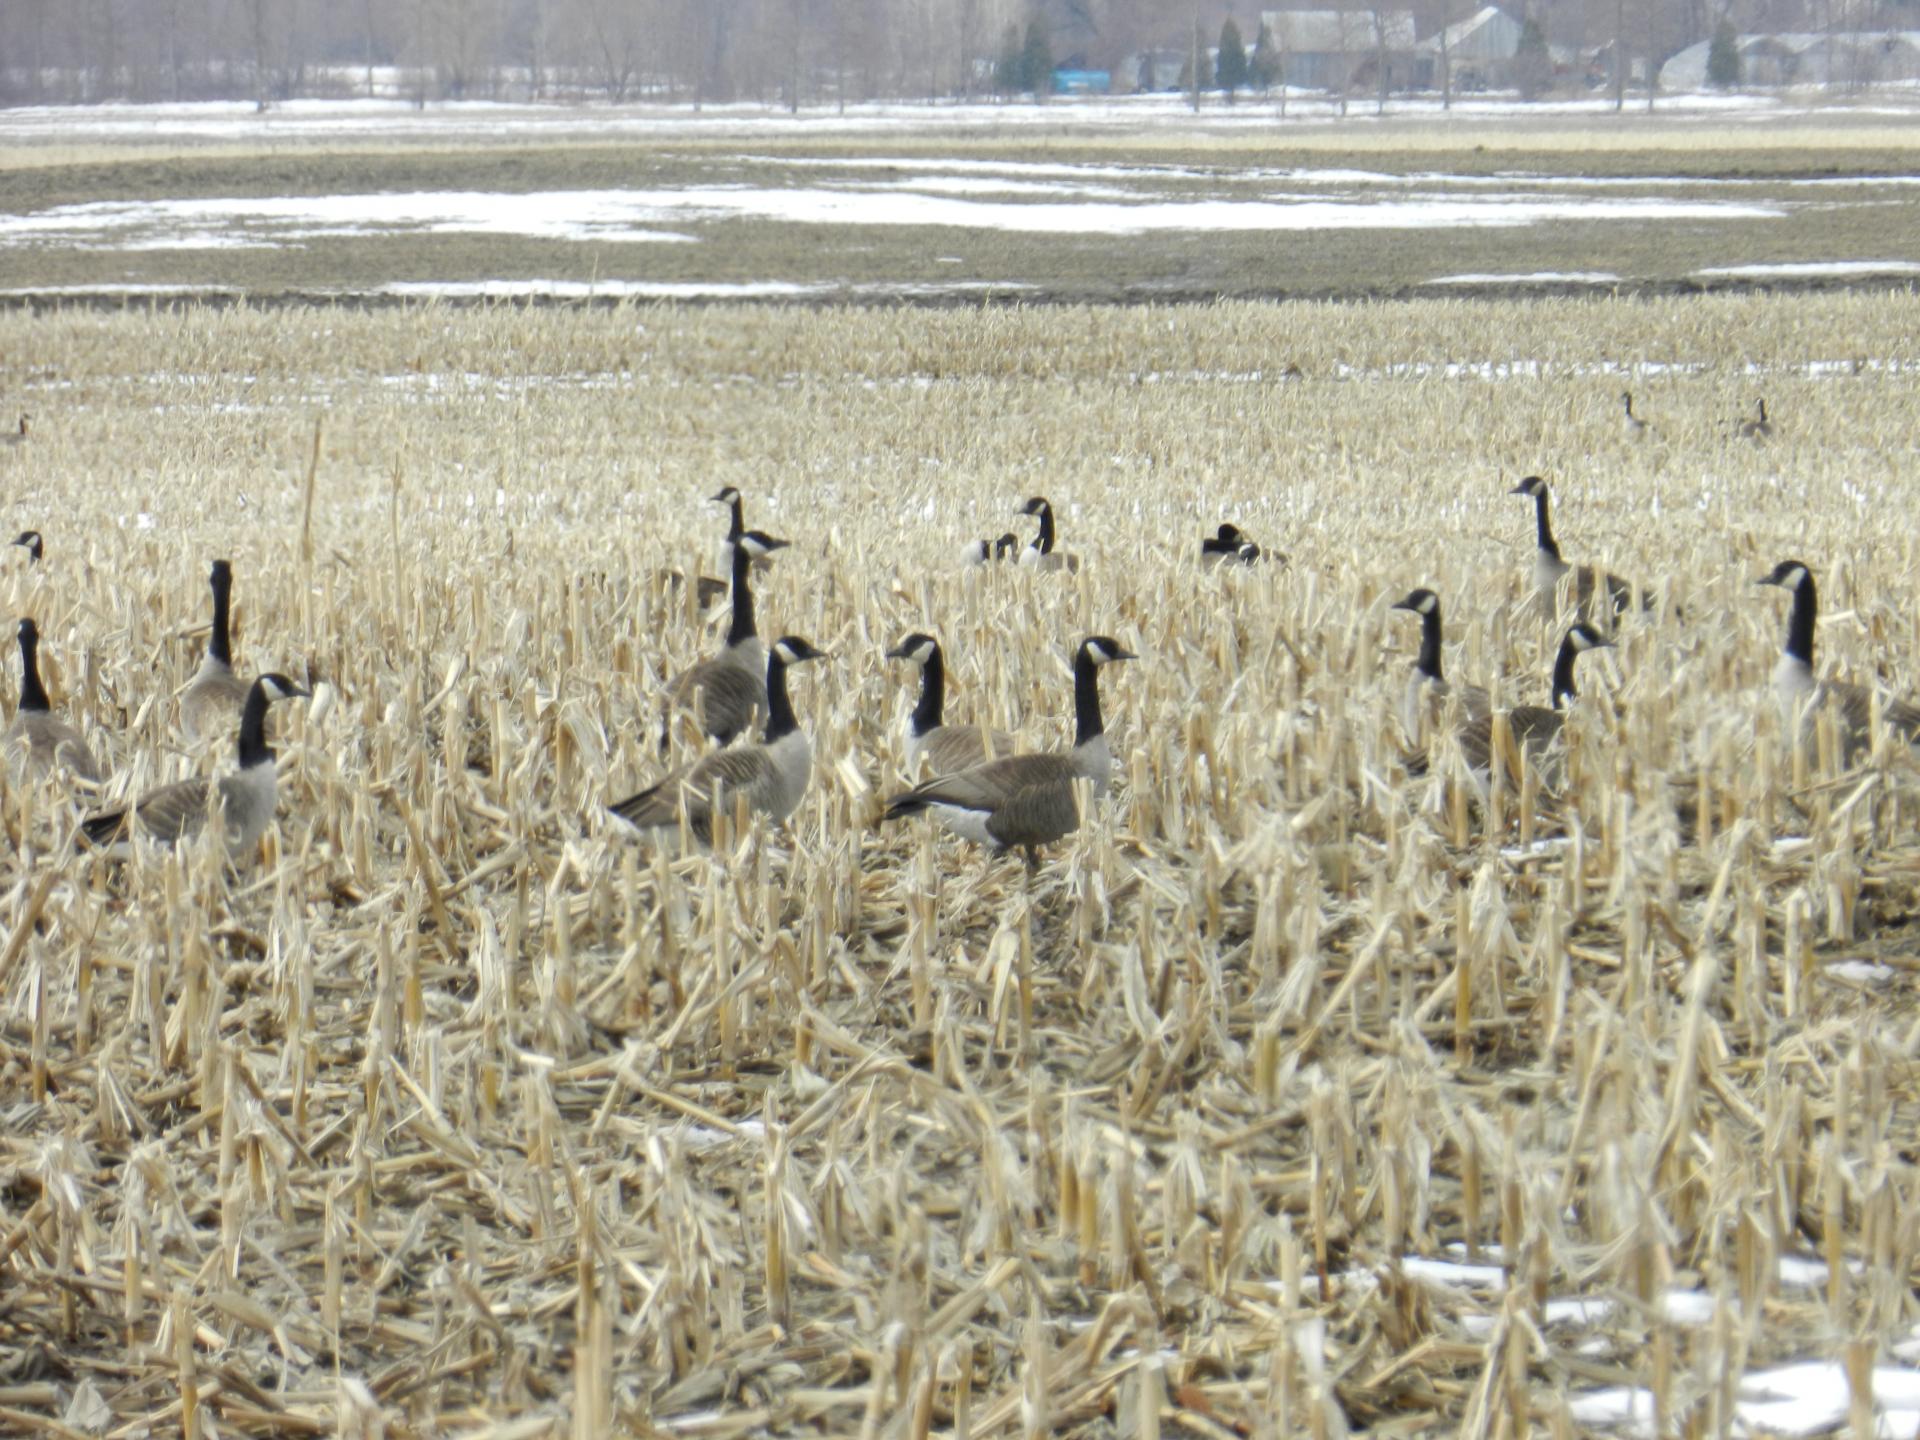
1082,82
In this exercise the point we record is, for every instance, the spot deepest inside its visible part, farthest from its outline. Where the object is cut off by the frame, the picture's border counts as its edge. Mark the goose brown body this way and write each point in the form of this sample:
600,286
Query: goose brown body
215,693
1029,800
771,776
48,740
244,800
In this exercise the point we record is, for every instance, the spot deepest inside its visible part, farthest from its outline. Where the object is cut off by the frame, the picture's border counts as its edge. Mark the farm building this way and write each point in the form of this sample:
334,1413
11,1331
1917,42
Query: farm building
1082,82
1479,50
1342,49
1847,58
1155,70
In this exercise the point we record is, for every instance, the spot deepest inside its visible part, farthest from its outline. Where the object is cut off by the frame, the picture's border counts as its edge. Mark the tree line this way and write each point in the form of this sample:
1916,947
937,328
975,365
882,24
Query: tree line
796,52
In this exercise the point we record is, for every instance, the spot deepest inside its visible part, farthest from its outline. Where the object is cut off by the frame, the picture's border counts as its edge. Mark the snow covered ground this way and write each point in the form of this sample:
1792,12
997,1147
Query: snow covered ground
481,120
1805,1397
644,215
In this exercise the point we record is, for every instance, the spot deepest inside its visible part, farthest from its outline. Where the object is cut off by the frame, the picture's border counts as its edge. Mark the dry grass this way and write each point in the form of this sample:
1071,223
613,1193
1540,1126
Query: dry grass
461,1114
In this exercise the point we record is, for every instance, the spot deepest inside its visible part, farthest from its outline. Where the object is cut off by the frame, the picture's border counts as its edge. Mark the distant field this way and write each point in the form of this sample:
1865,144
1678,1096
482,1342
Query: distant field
1294,1095
1027,203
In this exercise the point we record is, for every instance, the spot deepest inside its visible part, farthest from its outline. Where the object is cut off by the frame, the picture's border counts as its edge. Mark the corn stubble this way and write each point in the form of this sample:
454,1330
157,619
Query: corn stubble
463,1108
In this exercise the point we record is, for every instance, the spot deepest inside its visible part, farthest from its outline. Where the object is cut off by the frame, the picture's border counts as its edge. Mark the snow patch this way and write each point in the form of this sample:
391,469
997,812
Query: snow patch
1537,277
1815,268
634,216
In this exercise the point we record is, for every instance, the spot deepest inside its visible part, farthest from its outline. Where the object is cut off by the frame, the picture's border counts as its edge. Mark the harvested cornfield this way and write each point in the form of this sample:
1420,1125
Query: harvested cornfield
1294,1093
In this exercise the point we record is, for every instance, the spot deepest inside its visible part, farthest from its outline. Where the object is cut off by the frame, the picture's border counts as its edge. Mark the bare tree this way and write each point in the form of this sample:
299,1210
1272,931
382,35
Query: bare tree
1381,20
1193,59
615,44
1620,62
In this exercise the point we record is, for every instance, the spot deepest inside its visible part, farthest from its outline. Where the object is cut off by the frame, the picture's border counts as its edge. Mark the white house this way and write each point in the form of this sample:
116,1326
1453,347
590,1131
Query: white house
1342,49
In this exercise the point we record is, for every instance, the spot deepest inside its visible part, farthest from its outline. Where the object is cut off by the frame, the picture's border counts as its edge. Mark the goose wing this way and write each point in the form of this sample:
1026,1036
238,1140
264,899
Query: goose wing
1035,815
1533,727
51,741
213,691
749,768
952,748
1591,583
988,786
168,814
1853,709
730,696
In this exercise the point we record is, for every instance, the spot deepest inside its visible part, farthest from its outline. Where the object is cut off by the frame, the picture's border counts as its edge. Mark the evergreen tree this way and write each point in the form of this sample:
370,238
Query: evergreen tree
1036,61
1532,65
1263,70
1006,70
1230,69
1723,57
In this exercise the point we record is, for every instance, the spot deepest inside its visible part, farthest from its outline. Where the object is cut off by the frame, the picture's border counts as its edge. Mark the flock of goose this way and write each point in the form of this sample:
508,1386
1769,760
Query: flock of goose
1597,600
244,800
979,785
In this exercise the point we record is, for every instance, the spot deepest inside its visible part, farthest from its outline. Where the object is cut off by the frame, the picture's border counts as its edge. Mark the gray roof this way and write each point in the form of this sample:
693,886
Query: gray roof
1332,31
1687,70
1491,33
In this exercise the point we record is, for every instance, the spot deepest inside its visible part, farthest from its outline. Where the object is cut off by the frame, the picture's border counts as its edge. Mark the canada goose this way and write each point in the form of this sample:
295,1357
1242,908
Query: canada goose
1227,543
1637,428
1800,694
732,686
1549,568
29,540
1428,681
214,689
246,798
757,543
48,740
772,775
979,552
947,747
17,436
1027,800
1534,728
1040,552
1757,429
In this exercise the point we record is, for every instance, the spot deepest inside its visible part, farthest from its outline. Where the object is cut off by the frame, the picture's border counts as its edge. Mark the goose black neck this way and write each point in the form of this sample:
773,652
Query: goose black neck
933,694
254,749
218,642
1087,724
1429,662
33,695
780,719
35,546
742,626
1543,527
739,525
1045,542
1563,673
1800,624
